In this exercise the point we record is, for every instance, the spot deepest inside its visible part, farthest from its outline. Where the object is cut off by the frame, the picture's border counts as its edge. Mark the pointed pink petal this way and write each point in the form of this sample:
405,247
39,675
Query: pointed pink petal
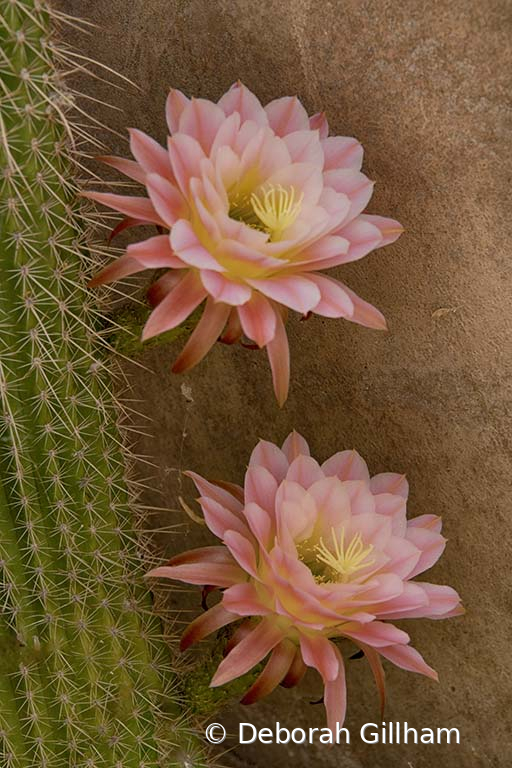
244,600
334,300
233,330
354,184
431,546
206,565
342,152
305,147
242,550
406,657
275,670
394,507
219,519
203,337
390,229
260,487
293,291
151,157
186,156
347,465
175,307
121,267
175,104
390,482
259,522
168,202
185,243
125,223
128,167
154,253
279,357
295,445
296,672
376,633
248,652
364,313
222,289
318,652
217,492
227,133
135,207
430,522
201,119
442,600
319,123
305,471
258,319
335,696
267,454
240,99
163,286
210,621
363,238
286,115
379,675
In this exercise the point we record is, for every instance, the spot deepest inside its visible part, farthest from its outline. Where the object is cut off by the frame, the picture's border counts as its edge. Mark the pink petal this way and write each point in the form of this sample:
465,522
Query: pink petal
168,202
364,313
279,357
346,465
442,600
227,133
219,519
260,487
233,330
201,119
304,147
353,184
363,238
375,663
185,243
129,167
206,565
267,454
394,507
175,307
151,157
412,600
390,482
242,550
216,492
431,546
334,300
390,229
319,123
210,621
294,446
430,522
318,652
296,672
203,337
240,99
286,115
135,207
154,253
342,152
305,178
249,652
406,657
376,633
259,522
293,291
243,600
163,286
186,156
258,319
225,290
275,670
175,104
335,696
305,471
324,253
403,556
121,267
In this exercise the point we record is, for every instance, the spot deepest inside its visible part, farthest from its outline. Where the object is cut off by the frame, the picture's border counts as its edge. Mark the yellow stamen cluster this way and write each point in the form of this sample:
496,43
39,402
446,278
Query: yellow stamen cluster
344,561
276,208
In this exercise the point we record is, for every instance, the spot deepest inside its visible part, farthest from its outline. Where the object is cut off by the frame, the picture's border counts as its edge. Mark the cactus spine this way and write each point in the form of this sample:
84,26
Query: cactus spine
85,679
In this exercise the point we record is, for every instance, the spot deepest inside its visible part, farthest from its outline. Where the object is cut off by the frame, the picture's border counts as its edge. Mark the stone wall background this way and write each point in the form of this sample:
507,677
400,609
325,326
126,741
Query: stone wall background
424,86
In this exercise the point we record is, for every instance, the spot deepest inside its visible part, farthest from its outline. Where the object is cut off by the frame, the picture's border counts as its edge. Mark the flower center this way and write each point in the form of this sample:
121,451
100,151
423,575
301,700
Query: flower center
270,210
343,560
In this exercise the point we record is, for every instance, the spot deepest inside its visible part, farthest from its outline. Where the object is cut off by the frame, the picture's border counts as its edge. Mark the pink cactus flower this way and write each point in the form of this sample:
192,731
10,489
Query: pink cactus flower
257,200
311,554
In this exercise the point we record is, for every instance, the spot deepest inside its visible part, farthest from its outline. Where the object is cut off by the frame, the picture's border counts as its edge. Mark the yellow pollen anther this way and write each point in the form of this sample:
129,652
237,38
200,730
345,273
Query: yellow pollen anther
276,208
343,561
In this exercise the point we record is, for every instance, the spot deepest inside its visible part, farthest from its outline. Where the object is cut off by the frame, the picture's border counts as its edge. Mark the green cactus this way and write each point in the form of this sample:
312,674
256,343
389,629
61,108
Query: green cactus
85,675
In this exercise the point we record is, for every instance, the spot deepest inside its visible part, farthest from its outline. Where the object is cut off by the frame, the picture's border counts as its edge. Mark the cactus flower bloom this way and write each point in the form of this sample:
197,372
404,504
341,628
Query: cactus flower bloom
255,202
311,554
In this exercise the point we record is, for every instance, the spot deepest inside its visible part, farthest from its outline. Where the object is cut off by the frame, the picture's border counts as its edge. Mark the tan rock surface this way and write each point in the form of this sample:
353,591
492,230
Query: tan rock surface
424,87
